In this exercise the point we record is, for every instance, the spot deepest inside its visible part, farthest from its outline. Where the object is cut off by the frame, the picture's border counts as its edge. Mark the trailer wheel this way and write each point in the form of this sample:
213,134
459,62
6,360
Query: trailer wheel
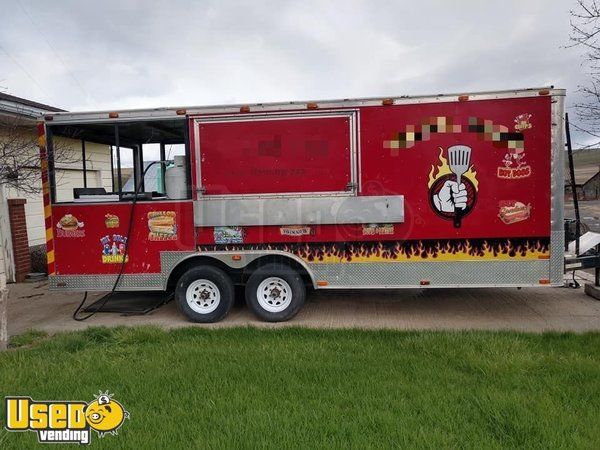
275,292
205,294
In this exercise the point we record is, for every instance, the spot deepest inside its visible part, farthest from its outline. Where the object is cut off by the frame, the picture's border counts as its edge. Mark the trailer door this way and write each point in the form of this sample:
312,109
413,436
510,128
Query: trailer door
287,154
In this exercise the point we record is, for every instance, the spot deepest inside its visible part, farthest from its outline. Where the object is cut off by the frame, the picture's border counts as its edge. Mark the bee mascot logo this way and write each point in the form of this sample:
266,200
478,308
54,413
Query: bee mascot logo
105,415
65,421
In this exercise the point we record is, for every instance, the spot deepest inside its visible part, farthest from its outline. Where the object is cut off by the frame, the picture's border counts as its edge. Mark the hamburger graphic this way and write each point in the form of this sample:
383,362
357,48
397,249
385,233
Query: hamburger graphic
162,226
68,222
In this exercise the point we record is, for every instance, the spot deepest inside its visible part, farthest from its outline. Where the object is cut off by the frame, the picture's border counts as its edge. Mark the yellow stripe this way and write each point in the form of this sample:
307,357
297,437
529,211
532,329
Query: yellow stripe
47,211
42,141
458,256
50,256
49,235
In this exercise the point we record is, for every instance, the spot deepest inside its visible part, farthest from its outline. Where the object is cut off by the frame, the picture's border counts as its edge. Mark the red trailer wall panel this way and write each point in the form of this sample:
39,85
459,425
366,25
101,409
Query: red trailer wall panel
94,242
404,151
407,170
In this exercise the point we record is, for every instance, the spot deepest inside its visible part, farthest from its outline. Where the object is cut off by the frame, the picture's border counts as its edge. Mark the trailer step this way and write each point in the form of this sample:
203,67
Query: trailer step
131,302
592,291
587,241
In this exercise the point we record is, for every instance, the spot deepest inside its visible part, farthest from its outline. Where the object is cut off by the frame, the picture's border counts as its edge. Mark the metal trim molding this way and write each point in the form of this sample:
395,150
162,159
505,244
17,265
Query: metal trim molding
557,201
210,212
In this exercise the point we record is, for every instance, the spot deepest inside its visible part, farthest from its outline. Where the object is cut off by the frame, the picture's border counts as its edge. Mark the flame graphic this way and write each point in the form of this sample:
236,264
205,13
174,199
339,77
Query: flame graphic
398,251
444,169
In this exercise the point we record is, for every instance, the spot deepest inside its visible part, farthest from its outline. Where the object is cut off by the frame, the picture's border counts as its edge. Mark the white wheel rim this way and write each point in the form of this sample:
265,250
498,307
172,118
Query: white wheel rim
203,296
274,294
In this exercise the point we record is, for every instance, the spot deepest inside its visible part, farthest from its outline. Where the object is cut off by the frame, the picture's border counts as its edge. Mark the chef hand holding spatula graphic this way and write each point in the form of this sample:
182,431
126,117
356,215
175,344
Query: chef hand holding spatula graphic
453,196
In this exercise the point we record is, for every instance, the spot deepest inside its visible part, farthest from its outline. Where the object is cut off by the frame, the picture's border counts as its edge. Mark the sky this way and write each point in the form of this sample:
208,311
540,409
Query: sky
136,54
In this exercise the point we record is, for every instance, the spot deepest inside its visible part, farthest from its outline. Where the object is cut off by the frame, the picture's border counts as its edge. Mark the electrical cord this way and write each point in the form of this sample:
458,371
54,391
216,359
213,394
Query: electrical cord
574,284
125,253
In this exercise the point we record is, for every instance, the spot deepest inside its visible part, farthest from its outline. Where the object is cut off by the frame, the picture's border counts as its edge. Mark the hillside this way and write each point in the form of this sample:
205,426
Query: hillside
586,162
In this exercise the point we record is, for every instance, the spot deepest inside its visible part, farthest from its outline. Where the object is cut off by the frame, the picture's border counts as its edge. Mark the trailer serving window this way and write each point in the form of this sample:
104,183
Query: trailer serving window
281,154
118,160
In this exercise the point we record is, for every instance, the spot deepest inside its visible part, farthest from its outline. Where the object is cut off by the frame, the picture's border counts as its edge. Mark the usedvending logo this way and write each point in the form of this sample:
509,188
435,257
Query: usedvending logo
69,422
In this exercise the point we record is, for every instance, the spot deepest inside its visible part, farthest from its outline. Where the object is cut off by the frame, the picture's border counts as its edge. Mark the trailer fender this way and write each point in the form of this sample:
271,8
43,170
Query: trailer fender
175,263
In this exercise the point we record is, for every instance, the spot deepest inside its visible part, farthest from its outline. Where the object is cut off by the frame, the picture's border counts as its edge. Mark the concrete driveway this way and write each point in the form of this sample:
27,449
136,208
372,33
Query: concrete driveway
31,305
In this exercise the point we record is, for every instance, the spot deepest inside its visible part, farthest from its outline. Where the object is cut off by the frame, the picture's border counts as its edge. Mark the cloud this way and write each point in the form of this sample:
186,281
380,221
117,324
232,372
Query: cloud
126,54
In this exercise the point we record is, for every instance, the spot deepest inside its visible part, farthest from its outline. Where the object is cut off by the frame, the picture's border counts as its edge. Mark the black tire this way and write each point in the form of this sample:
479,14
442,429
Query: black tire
216,278
285,310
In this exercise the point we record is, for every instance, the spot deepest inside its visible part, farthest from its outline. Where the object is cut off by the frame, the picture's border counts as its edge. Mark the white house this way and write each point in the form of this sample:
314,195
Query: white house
68,174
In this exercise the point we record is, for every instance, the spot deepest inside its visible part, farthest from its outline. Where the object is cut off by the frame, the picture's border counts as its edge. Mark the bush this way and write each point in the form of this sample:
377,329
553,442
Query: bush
38,258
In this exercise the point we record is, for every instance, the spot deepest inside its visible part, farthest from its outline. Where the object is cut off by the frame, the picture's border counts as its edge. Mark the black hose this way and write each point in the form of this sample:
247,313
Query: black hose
574,284
125,253
81,319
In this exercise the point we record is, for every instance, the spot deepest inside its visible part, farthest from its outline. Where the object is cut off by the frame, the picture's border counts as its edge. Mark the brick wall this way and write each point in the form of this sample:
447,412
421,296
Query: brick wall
18,230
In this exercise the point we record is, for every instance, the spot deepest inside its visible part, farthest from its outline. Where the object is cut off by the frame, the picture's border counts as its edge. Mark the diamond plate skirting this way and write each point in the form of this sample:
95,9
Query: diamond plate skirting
129,282
438,274
360,275
168,261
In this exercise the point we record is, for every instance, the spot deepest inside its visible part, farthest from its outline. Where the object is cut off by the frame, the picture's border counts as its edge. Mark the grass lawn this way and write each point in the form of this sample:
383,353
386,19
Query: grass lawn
292,387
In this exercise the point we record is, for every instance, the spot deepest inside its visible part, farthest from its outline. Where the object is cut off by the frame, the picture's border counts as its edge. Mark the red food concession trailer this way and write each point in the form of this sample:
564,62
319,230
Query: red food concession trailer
401,192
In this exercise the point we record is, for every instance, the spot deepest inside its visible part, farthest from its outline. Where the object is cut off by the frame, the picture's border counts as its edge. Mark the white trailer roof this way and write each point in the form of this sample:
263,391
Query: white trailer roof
180,112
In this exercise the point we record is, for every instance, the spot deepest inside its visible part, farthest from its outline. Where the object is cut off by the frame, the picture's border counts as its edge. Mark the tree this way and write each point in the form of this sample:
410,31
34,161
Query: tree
20,158
585,32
